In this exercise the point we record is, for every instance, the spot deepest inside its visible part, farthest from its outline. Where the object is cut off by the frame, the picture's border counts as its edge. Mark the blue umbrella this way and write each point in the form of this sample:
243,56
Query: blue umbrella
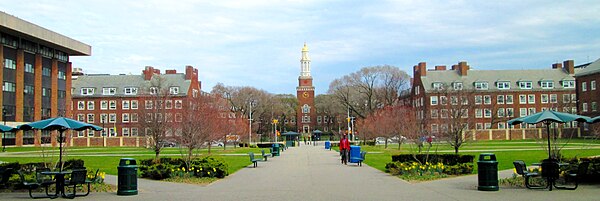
595,120
547,117
61,124
4,128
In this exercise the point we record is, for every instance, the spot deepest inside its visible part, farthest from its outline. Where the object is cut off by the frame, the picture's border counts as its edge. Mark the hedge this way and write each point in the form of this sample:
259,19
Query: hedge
446,159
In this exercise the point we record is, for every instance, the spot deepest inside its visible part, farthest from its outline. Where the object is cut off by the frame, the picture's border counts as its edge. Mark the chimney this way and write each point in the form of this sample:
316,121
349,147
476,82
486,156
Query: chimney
170,71
191,73
422,68
569,66
463,68
440,67
148,72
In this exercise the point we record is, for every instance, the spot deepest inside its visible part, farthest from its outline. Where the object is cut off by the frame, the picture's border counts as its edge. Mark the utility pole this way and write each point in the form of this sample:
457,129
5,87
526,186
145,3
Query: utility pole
250,125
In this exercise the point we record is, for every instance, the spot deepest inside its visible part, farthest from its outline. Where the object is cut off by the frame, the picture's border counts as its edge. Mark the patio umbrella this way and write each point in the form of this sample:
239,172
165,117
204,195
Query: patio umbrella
547,117
61,124
4,128
595,120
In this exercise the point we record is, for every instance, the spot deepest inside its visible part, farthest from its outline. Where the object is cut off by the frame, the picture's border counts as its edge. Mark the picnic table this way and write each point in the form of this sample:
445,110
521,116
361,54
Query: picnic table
59,177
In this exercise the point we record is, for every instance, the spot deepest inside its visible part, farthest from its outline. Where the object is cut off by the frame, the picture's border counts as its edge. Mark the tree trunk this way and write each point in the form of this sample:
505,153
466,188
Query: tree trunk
456,149
157,155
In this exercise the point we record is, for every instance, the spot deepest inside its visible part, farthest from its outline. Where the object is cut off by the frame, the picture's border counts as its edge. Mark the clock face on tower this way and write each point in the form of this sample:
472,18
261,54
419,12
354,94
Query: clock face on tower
305,94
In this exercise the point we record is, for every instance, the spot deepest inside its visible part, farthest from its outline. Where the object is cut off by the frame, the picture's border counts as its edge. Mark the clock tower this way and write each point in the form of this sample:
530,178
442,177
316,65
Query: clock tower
305,92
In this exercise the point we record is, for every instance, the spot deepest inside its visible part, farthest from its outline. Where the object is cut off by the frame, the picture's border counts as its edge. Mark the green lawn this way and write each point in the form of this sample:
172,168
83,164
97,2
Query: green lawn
506,152
107,159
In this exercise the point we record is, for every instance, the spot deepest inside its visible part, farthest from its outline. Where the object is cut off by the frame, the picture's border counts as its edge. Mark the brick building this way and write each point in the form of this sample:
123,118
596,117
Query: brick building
588,93
484,100
115,102
305,92
35,76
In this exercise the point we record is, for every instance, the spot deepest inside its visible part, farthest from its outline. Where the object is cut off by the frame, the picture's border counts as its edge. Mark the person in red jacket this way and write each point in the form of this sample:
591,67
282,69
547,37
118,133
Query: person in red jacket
344,149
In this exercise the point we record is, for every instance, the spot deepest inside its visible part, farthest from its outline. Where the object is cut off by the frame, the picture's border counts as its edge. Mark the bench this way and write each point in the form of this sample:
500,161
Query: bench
521,169
264,155
5,173
252,159
359,159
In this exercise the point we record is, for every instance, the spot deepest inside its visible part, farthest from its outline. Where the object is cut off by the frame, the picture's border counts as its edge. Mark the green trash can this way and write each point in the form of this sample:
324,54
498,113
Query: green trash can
487,172
276,149
127,172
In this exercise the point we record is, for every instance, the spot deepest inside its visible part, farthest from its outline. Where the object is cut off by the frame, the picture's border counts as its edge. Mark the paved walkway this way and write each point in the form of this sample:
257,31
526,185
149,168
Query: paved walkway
313,173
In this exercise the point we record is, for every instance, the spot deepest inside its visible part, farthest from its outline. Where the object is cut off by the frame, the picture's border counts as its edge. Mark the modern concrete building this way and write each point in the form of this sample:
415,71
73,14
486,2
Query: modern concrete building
35,76
117,103
484,100
588,93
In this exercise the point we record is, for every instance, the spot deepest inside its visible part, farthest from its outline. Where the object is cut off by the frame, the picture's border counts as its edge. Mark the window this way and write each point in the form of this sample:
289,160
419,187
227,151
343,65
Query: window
434,100
438,86
103,118
103,105
501,125
594,107
481,85
134,131
305,119
305,108
10,64
501,112
487,113
503,85
113,132
80,133
434,114
417,88
464,100
478,113
465,113
90,118
178,117
104,131
80,105
443,100
544,98
583,86
153,90
113,104
584,107
130,90
168,104
522,99
574,98
91,133
500,99
547,84
478,100
510,112
531,98
134,117
174,90
125,117
487,99
62,75
525,85
453,100
87,91
531,110
109,91
112,118
479,126
125,131
90,105
444,113
488,125
178,104
319,119
568,83
81,117
28,89
522,112
457,85
29,68
148,104
134,104
553,98
46,71
593,85
125,104
509,99
566,98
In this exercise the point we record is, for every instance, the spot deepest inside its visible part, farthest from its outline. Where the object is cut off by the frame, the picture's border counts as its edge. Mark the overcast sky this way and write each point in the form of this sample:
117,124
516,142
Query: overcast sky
257,43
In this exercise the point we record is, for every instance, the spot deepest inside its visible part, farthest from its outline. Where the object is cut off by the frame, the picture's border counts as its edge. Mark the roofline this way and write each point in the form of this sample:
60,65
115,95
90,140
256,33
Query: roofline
30,31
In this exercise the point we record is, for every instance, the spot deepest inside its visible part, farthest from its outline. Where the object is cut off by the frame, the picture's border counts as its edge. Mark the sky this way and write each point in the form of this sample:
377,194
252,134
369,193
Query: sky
258,43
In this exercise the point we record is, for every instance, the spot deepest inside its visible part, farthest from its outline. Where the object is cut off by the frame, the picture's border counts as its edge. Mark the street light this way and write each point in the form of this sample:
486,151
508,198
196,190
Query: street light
3,133
275,122
250,125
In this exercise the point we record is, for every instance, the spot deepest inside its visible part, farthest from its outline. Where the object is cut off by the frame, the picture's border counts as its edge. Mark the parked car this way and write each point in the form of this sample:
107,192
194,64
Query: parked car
216,144
167,144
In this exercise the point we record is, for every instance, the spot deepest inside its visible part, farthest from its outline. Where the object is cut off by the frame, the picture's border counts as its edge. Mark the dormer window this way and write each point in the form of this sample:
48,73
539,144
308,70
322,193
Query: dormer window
438,86
503,85
130,90
547,84
174,90
153,90
109,91
87,91
457,85
568,83
481,85
525,85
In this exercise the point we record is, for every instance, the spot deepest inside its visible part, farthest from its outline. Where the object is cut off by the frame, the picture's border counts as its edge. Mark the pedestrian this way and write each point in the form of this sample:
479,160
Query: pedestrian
344,149
304,140
429,140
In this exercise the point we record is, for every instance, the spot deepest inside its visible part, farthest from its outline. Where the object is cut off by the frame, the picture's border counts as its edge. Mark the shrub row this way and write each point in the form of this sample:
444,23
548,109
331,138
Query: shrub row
171,167
446,159
414,168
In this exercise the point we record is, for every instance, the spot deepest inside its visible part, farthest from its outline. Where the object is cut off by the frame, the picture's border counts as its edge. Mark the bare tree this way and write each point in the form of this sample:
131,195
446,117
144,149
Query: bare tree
154,113
452,114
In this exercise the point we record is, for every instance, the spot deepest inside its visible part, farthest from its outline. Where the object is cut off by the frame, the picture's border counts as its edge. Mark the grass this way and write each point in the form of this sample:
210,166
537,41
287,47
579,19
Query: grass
506,152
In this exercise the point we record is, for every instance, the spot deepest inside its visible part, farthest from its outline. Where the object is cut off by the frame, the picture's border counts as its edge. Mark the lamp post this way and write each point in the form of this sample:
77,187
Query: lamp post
275,122
3,133
250,124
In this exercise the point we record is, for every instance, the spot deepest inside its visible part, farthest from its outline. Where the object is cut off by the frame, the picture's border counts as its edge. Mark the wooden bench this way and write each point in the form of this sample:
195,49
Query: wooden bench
252,159
264,155
359,159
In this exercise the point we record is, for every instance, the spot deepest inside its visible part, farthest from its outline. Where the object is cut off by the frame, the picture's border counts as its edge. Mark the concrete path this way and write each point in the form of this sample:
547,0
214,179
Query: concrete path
313,173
